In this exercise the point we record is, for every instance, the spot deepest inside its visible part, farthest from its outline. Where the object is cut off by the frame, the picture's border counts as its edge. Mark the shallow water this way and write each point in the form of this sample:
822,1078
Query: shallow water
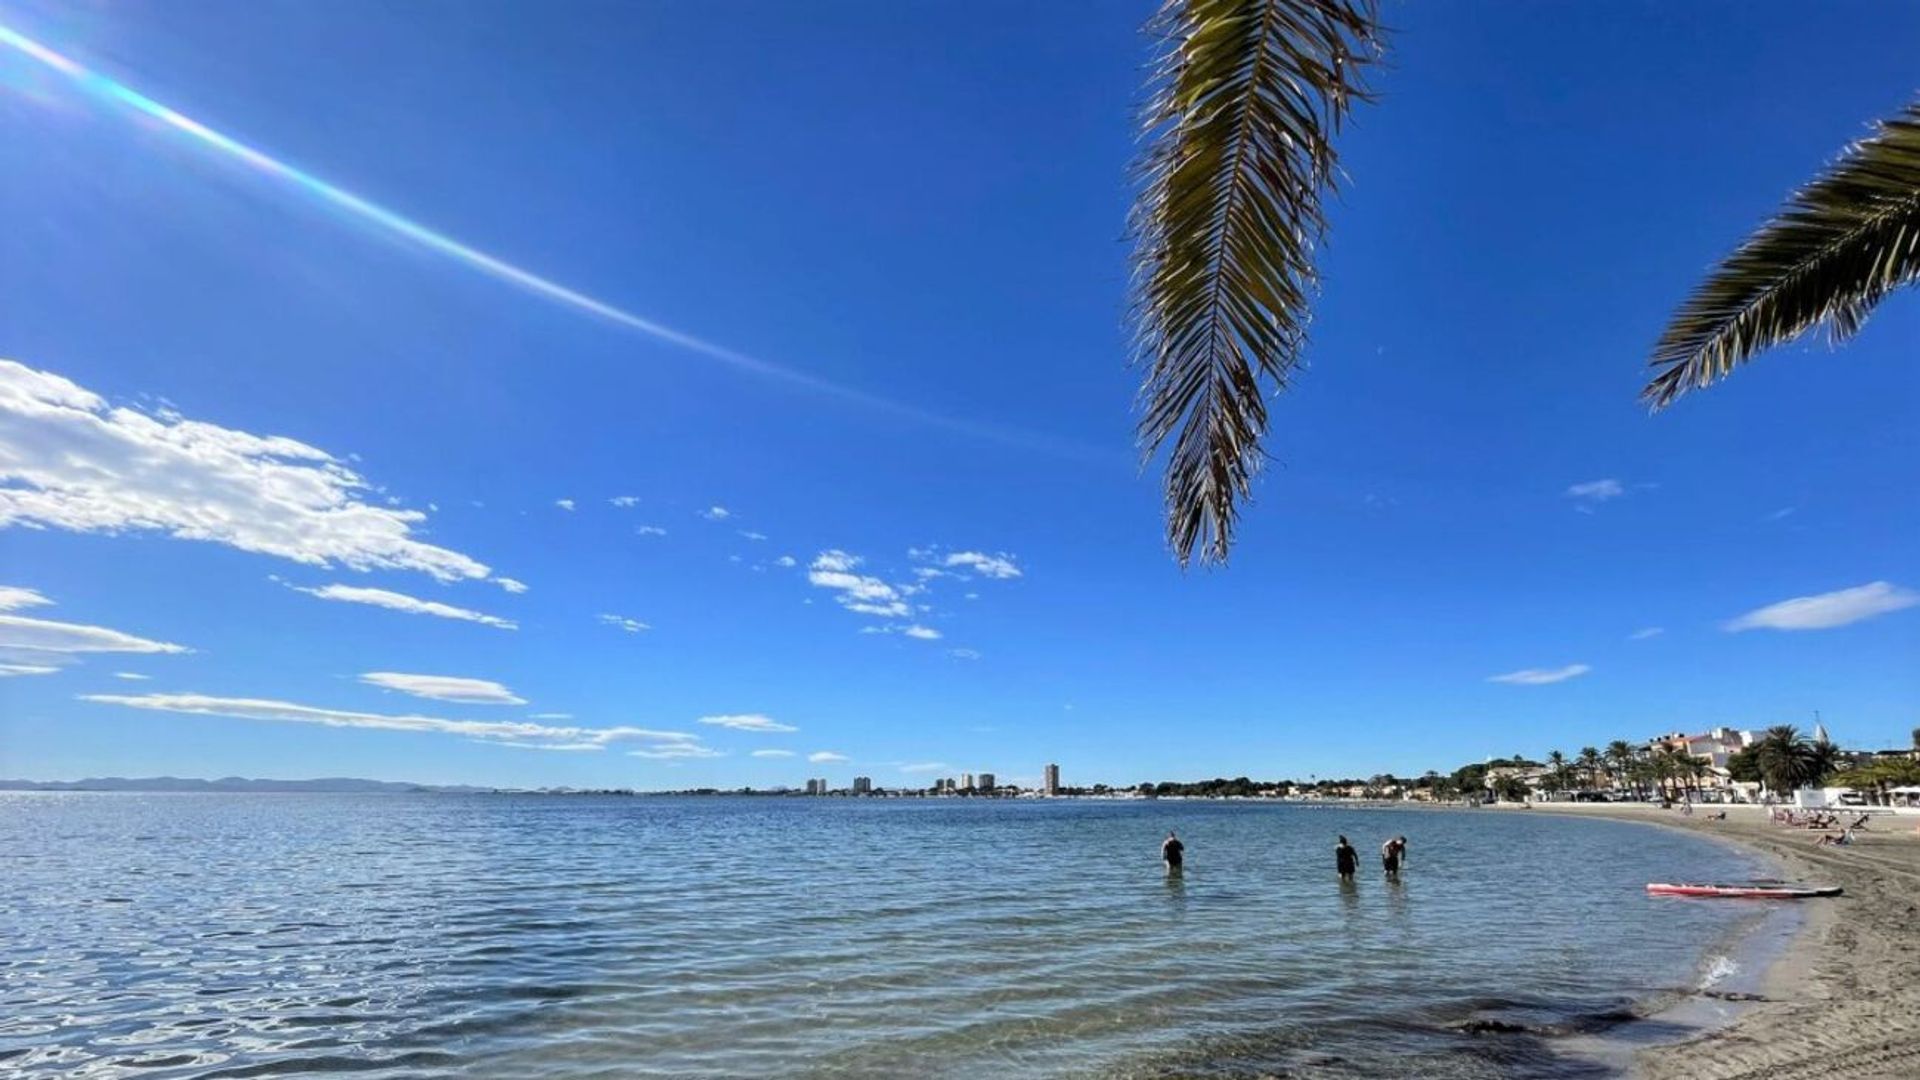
443,935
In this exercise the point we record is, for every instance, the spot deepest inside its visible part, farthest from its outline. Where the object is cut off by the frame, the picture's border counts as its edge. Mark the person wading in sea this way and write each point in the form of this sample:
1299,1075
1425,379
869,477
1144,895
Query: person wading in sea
1172,851
1392,854
1345,859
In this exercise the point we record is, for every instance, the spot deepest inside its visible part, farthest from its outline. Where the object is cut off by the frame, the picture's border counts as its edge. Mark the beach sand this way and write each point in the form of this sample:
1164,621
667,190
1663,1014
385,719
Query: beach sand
1844,999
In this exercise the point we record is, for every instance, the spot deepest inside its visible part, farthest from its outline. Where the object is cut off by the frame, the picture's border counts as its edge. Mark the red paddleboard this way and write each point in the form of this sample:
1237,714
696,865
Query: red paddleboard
1771,890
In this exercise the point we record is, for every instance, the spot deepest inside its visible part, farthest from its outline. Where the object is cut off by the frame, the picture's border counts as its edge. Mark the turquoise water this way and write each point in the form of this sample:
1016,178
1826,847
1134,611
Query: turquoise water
492,936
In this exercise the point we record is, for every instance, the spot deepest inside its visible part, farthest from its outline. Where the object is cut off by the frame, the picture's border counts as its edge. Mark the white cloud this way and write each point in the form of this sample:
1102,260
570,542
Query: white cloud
631,626
131,676
625,501
773,753
1646,632
751,535
1540,676
550,716
69,461
650,530
990,566
511,585
1588,495
1828,610
924,633
677,750
500,732
786,560
8,671
15,597
1783,512
48,636
716,513
412,605
833,569
822,757
964,654
924,767
564,504
444,688
748,722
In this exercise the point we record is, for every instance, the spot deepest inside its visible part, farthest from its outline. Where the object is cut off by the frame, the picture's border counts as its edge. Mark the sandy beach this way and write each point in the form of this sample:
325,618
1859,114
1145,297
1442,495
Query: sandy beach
1844,1000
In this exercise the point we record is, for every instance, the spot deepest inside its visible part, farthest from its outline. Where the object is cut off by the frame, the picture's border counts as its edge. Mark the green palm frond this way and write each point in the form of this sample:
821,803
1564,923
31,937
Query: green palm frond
1840,245
1246,96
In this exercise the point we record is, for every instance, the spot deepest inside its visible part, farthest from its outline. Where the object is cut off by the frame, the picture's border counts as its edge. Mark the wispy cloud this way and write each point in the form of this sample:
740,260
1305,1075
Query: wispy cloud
17,632
514,732
452,688
716,513
751,535
564,504
1646,632
1783,512
650,530
1588,495
1828,610
772,753
511,585
834,569
999,566
631,626
550,716
70,461
924,633
131,676
964,654
671,751
924,767
411,605
786,561
748,722
823,757
12,670
1541,676
625,502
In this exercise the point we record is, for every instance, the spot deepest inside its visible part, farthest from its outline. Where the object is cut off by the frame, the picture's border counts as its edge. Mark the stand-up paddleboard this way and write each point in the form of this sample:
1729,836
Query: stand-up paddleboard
1755,890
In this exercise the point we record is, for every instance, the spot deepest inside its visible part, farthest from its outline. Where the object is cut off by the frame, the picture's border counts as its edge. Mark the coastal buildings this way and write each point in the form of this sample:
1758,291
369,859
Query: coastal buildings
1051,785
986,782
966,781
863,785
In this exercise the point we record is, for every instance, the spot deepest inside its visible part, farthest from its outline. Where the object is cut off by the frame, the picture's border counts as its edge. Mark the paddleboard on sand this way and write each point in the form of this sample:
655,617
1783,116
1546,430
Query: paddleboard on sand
1753,890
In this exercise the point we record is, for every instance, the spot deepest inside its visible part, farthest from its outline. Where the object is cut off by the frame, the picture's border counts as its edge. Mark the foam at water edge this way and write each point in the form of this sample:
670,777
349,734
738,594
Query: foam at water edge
1717,967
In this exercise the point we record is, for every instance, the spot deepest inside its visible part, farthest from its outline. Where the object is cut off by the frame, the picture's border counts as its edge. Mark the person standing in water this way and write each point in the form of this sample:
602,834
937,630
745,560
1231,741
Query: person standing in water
1392,854
1172,851
1345,859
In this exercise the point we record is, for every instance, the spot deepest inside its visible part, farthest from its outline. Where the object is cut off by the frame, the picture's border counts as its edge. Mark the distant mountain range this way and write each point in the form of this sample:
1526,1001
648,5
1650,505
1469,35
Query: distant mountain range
228,783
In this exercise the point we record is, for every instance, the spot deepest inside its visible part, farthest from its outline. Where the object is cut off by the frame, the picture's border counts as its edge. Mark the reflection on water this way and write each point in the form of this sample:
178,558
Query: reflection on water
229,935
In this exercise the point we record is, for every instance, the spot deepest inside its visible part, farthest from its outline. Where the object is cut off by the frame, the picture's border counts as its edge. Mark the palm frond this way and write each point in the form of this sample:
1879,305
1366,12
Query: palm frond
1246,96
1838,247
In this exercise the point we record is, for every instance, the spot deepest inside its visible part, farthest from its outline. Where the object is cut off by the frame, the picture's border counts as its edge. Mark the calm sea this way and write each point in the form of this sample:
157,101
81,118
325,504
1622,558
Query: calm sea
511,936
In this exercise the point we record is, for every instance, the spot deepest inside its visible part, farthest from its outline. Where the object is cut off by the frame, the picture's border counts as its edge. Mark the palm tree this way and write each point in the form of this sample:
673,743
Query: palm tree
1789,760
1557,761
1245,98
1590,764
1619,754
1839,246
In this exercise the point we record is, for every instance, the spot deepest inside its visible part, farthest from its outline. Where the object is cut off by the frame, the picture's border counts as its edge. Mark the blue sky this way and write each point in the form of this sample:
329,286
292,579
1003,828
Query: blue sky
916,213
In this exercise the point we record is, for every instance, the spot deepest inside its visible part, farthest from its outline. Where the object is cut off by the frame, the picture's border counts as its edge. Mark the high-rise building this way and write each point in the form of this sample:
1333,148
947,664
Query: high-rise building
824,789
986,782
863,785
966,781
1052,783
813,787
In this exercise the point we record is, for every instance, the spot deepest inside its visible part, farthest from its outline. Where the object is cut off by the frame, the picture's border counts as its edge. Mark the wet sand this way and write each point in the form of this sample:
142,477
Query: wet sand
1844,999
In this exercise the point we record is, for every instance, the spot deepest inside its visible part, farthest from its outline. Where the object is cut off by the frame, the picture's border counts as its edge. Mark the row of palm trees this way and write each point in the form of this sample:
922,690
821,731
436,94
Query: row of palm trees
1783,760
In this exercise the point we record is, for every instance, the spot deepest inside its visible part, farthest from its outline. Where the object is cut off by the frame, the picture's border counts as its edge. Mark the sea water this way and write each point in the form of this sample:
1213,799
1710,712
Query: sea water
574,936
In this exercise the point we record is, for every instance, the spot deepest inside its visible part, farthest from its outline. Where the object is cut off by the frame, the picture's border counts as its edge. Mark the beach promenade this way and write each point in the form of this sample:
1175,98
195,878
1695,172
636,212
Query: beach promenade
1844,1000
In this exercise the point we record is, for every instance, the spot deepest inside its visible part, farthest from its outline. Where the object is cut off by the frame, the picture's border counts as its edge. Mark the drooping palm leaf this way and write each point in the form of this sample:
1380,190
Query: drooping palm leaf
1246,96
1841,244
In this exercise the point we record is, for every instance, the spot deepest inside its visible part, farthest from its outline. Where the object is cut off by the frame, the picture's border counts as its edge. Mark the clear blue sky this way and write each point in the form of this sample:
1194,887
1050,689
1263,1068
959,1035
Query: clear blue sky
922,204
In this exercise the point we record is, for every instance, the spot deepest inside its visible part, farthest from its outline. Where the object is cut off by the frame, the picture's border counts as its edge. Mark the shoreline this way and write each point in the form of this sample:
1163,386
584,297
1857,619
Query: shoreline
1843,996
